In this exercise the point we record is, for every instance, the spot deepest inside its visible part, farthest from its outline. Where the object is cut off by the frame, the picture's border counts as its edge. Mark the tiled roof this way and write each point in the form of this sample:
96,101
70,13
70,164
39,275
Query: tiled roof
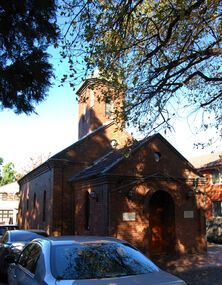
98,167
208,161
212,164
108,161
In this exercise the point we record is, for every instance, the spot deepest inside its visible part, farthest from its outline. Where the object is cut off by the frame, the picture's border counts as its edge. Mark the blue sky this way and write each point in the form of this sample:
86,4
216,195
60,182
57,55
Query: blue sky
55,127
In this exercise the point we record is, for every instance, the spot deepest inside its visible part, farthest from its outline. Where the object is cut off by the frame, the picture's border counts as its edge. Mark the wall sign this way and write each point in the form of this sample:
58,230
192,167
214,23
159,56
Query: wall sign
129,216
188,214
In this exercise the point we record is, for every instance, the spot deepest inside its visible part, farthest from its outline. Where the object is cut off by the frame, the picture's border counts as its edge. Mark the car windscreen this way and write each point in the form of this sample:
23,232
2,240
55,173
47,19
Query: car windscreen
2,230
22,236
103,260
6,228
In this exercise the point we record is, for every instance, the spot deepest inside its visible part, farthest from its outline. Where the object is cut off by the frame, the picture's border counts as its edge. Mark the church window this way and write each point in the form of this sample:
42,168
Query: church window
217,208
27,204
217,177
34,201
87,210
44,207
114,143
157,156
91,98
108,106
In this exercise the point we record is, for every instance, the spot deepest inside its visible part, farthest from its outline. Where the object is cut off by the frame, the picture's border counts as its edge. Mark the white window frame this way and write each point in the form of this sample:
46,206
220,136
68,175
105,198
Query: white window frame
215,206
219,179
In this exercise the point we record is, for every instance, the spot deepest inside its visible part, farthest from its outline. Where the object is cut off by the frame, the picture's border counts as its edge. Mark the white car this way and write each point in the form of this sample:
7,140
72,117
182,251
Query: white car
85,261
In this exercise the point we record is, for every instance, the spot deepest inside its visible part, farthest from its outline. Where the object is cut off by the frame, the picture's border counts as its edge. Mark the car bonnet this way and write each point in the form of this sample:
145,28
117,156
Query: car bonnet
155,278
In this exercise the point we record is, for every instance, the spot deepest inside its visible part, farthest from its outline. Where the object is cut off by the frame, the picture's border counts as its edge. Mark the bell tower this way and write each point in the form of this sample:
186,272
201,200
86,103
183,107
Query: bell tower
97,101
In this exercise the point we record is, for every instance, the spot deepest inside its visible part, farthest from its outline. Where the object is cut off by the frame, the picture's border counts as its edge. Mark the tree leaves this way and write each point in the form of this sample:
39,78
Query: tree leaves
27,28
157,50
8,173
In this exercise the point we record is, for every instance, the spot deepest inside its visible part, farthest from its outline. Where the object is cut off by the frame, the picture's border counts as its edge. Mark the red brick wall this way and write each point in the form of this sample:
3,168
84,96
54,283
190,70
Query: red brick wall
91,117
106,214
62,211
60,219
171,174
142,161
190,233
213,193
98,216
32,218
66,203
95,146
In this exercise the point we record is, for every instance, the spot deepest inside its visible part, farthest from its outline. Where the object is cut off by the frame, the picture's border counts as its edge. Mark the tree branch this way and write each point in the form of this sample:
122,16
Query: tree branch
210,51
171,26
211,101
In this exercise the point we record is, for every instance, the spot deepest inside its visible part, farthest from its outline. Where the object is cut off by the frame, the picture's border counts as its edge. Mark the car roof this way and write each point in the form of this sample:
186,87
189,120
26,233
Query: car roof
39,232
82,239
23,232
18,231
8,225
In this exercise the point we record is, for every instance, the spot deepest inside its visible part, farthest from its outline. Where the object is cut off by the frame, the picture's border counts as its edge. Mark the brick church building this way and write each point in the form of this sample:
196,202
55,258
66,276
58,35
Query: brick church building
107,183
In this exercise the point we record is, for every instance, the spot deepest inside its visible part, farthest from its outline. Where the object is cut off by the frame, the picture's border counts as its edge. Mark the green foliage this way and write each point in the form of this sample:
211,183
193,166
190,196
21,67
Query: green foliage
214,239
1,162
7,173
27,28
163,53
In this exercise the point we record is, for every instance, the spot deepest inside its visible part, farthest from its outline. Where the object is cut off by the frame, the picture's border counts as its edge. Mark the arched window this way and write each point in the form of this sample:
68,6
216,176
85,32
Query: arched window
87,210
44,207
92,95
34,201
27,204
108,106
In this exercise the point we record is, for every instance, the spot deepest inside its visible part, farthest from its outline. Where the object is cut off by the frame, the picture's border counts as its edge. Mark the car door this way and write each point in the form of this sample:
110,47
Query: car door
3,252
23,272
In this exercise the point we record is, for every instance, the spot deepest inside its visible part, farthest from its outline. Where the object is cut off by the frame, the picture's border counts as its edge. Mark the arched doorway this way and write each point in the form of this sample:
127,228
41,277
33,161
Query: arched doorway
162,223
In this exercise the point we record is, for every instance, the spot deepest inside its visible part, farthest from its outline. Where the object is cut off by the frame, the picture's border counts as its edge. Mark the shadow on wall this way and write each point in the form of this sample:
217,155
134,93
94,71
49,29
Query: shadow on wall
53,177
162,213
159,193
35,207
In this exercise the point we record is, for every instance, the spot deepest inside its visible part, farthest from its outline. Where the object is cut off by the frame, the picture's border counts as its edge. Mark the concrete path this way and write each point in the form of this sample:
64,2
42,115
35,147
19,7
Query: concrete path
196,269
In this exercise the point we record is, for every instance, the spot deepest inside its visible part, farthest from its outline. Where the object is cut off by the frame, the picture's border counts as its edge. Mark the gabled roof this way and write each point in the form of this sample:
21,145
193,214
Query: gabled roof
104,164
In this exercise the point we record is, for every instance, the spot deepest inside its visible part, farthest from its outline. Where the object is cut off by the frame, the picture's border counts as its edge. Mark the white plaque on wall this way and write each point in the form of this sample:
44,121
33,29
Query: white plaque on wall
188,214
129,216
